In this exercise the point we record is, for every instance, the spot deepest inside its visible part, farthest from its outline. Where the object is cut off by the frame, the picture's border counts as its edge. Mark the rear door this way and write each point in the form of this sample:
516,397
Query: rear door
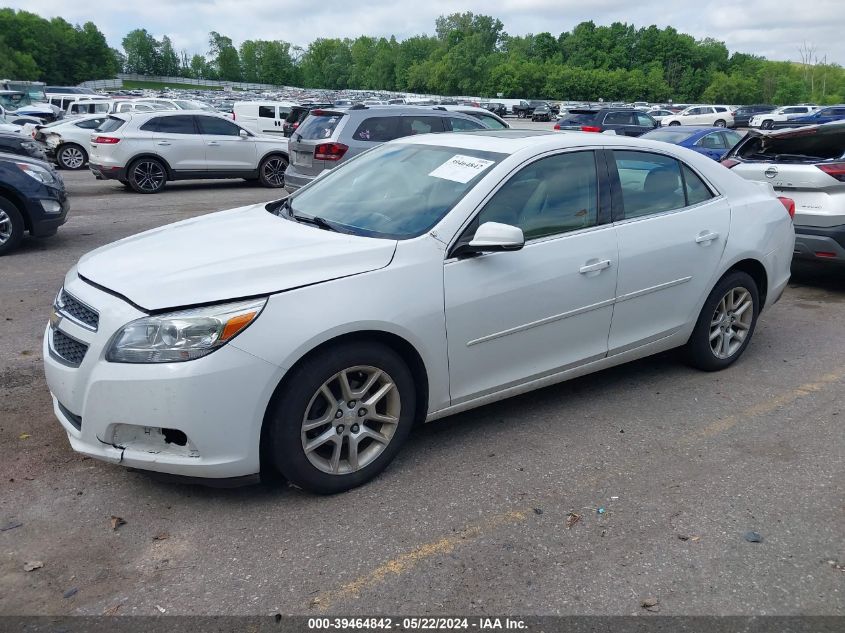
269,121
225,148
178,141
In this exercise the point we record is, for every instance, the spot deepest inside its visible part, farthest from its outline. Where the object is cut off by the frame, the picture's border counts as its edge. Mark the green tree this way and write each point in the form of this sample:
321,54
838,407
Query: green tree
168,60
142,52
224,57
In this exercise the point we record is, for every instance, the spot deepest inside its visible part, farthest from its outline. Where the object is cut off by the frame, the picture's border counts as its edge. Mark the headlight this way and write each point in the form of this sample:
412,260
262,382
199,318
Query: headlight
39,173
182,336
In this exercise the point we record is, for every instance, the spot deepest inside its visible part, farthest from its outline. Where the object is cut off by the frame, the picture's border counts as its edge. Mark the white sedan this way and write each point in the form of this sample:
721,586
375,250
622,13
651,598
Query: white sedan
69,141
430,275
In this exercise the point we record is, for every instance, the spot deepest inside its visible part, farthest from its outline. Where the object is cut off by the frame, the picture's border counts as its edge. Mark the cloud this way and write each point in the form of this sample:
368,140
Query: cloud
773,28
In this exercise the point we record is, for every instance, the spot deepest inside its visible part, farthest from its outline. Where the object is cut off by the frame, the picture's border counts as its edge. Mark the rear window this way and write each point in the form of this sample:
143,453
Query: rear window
802,145
575,118
320,126
111,124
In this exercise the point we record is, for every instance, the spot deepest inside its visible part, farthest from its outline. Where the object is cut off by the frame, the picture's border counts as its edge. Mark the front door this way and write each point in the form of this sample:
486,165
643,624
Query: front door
178,141
516,316
225,148
672,233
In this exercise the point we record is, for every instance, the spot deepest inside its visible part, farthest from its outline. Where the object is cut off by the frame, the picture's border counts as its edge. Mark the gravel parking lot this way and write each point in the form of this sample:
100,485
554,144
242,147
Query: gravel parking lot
495,511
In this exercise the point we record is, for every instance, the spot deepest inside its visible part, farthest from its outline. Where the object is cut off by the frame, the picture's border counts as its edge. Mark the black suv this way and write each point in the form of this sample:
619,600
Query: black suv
297,115
14,143
623,121
32,198
495,107
744,113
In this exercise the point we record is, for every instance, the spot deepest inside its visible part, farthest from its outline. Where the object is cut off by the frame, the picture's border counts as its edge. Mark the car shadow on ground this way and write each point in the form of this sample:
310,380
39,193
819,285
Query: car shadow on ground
830,277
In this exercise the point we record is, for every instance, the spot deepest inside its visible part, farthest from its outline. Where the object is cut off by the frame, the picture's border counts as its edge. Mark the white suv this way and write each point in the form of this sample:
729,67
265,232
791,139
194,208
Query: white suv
718,115
145,150
768,120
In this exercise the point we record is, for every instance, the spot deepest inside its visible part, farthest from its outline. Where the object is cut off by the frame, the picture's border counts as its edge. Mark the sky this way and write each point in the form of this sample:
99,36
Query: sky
772,28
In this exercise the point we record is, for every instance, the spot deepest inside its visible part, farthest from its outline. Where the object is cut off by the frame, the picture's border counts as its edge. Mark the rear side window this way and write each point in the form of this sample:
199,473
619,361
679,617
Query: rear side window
90,124
464,124
111,124
180,124
651,183
619,118
377,129
316,127
696,190
267,112
720,109
410,125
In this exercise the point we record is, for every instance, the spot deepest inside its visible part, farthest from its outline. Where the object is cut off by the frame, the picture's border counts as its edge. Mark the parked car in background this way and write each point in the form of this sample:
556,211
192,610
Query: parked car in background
68,90
32,199
309,335
743,114
542,113
297,116
660,114
497,108
715,116
808,165
83,107
327,138
68,141
20,144
713,142
263,117
131,105
179,104
524,109
622,121
145,150
776,117
64,101
827,114
490,120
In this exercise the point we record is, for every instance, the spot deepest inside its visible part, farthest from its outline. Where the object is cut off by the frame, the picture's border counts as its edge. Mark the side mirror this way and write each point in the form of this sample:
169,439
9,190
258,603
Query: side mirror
243,134
493,237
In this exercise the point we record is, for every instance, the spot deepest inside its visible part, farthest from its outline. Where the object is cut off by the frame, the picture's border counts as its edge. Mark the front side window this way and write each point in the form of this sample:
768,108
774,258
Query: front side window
219,127
553,195
394,191
410,125
643,120
180,124
491,121
463,124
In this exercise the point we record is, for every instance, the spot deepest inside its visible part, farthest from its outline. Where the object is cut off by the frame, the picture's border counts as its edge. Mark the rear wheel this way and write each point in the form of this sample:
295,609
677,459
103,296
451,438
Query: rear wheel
71,156
719,123
271,172
11,226
675,123
726,323
147,175
342,417
767,124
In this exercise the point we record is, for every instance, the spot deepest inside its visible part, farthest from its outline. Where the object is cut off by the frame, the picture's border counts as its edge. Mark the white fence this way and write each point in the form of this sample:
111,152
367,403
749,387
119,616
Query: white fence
187,81
103,84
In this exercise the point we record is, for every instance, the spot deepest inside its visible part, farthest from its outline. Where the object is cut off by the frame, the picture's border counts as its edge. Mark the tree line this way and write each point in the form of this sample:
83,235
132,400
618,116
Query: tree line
468,54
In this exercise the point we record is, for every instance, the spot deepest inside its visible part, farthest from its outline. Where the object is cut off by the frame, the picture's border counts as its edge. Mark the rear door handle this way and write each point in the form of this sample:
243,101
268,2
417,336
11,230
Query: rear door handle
213,143
591,268
163,143
706,238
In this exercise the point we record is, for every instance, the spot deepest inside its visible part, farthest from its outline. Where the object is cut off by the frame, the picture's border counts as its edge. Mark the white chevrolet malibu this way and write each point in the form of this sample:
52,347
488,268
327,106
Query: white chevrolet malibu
428,276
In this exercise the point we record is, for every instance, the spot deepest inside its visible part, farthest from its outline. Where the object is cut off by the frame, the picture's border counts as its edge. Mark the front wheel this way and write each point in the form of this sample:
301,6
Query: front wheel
675,123
520,115
11,226
271,172
767,124
719,123
726,323
71,156
342,417
147,175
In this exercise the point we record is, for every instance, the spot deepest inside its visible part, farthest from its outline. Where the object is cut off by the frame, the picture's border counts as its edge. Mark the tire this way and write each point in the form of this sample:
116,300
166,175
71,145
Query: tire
767,124
520,114
674,123
329,468
271,171
719,123
71,156
11,227
147,175
735,288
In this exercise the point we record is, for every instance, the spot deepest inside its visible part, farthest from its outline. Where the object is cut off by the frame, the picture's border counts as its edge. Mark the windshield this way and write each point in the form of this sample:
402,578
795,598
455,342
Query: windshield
667,136
397,191
14,100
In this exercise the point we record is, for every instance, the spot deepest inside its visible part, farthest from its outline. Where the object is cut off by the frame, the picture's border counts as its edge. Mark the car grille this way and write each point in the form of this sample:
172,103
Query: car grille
78,311
68,349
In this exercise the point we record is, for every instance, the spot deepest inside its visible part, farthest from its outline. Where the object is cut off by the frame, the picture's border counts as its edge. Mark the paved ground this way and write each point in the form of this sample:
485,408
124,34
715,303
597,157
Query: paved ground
472,517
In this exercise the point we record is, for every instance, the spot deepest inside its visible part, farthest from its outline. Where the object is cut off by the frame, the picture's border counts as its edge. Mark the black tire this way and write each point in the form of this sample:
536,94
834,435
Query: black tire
675,123
520,114
698,350
720,123
11,227
766,125
290,408
71,156
271,171
147,175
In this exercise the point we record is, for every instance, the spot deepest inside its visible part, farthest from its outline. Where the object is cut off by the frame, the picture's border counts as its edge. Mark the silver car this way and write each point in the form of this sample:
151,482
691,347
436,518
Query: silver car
328,137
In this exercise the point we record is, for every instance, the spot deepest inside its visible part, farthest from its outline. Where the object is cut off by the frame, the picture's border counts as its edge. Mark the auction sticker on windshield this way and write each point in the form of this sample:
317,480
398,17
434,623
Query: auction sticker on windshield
461,168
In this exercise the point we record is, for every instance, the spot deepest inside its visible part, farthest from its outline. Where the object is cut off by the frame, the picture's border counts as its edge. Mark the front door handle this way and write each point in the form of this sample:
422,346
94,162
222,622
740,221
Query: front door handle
594,267
214,143
163,143
706,237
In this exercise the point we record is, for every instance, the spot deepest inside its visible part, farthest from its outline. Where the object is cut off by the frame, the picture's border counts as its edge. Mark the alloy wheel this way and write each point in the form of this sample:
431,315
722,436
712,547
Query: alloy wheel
350,420
274,171
72,158
148,175
731,322
5,227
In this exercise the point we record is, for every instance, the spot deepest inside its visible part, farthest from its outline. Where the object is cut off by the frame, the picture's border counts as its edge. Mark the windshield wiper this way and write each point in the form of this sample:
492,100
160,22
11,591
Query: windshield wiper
316,221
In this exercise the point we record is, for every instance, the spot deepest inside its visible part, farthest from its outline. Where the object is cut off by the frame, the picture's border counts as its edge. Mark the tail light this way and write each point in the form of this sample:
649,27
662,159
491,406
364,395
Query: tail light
590,128
234,116
557,126
789,203
837,170
105,140
730,162
330,151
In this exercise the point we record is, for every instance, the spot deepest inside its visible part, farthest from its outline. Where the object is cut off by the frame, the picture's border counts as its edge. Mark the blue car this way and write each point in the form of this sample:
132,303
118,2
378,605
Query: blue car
825,115
713,142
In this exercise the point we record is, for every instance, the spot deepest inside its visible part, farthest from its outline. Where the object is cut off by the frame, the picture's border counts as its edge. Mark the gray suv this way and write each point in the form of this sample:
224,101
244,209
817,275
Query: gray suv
329,136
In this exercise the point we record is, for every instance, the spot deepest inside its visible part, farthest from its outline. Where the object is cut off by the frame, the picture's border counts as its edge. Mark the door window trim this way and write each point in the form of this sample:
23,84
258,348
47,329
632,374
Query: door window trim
603,215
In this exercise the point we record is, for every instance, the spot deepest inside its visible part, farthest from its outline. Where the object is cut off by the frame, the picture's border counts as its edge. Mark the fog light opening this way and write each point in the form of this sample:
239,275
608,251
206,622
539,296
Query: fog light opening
174,436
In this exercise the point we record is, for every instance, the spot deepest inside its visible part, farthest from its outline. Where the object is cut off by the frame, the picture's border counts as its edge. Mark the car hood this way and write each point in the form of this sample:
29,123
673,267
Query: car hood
232,254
